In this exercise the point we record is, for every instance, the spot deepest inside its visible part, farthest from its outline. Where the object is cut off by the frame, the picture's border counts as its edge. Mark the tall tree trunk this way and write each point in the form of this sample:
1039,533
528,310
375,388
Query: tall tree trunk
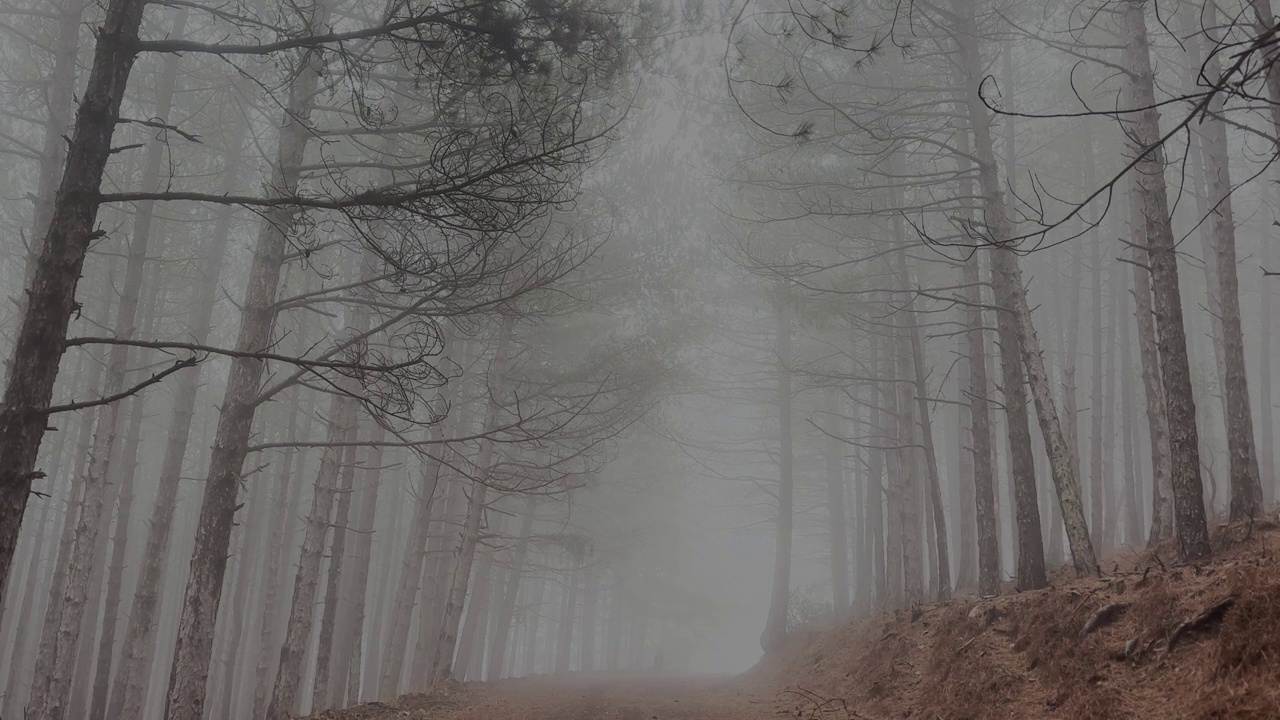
333,581
1246,486
967,494
119,545
1097,412
775,627
1128,417
510,586
931,458
1011,294
1184,441
978,389
436,577
272,575
471,642
186,696
66,541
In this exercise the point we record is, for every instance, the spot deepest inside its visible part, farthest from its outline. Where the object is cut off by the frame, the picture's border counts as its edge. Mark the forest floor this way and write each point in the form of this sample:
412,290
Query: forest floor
584,696
1149,639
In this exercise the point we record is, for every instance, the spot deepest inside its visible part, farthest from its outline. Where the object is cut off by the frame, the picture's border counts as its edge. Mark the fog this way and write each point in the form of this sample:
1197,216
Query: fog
353,348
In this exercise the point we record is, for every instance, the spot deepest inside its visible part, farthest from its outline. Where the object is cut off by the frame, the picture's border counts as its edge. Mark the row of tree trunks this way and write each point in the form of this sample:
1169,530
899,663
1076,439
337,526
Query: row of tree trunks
40,344
1011,296
510,590
192,655
442,668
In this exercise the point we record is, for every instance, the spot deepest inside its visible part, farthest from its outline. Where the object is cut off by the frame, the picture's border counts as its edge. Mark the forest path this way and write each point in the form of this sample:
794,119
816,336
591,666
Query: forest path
588,696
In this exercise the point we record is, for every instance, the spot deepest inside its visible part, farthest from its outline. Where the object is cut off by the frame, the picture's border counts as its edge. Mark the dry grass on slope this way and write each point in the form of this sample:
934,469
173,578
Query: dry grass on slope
1150,640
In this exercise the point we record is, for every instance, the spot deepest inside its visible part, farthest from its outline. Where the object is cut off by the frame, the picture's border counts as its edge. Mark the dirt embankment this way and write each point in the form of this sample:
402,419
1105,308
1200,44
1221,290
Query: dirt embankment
1152,639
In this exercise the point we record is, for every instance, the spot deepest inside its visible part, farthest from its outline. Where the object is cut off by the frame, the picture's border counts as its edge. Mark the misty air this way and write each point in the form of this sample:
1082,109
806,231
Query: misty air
639,359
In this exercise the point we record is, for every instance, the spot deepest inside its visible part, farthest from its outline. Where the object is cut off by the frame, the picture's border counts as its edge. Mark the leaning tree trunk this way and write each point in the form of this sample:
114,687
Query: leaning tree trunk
1246,486
1011,293
471,640
282,504
931,460
1153,387
192,655
775,626
1191,526
40,339
293,654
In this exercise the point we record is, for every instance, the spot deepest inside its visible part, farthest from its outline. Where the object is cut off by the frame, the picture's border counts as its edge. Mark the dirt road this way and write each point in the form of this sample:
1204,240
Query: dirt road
591,696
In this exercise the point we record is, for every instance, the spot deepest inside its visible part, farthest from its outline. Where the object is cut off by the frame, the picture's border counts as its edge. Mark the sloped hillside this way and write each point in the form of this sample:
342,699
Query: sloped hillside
1151,640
